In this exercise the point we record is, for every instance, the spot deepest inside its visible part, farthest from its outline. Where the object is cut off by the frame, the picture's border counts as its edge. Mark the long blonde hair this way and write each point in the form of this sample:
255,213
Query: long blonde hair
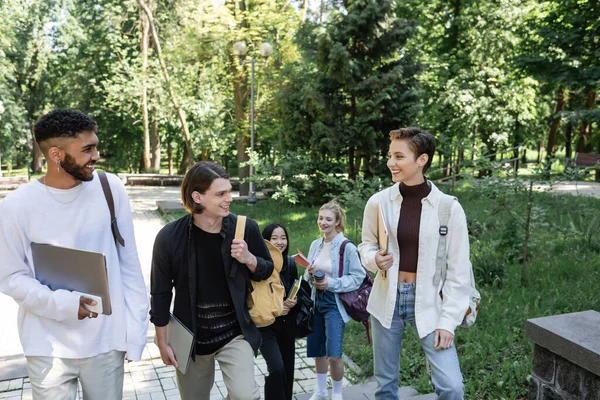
336,209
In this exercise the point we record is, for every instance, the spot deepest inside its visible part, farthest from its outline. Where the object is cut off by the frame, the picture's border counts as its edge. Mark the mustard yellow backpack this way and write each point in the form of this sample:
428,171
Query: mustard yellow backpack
265,302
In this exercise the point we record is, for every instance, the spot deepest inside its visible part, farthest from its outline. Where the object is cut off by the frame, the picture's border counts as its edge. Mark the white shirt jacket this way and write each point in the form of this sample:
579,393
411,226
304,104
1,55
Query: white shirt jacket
431,312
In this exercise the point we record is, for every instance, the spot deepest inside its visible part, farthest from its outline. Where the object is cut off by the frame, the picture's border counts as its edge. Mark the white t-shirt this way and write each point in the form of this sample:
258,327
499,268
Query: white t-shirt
48,324
323,261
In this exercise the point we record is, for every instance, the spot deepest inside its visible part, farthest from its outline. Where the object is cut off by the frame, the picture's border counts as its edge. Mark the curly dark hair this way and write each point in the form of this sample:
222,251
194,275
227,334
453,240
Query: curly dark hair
63,123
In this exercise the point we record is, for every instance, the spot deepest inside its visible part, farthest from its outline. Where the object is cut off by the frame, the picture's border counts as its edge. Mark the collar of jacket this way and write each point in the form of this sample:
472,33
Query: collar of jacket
227,232
336,242
433,198
224,226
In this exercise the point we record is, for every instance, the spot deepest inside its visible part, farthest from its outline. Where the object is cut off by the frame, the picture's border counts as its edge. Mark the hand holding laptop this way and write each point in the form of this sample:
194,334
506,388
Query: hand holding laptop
167,354
85,312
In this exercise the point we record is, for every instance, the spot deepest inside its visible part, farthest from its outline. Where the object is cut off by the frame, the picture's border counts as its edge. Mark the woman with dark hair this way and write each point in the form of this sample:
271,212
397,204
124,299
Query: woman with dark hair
278,345
210,271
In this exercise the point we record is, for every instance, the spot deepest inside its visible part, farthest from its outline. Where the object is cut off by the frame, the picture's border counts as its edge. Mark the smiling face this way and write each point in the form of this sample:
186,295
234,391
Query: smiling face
404,164
327,223
216,199
78,156
279,239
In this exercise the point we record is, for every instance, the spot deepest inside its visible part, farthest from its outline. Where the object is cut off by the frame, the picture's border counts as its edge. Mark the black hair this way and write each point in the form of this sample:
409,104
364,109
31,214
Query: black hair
268,232
63,123
419,141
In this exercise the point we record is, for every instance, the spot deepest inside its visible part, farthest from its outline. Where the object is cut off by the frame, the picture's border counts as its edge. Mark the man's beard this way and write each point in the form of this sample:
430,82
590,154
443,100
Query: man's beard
78,172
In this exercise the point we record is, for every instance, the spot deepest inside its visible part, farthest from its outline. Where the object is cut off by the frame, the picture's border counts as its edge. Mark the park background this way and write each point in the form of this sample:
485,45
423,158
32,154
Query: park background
508,88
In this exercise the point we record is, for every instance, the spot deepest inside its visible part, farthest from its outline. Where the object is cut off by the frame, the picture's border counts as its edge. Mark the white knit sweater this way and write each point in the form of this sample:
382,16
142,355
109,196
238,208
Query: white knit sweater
48,324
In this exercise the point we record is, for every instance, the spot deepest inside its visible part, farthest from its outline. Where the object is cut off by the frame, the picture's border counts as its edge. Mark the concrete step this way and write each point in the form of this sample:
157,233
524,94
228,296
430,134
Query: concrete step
366,391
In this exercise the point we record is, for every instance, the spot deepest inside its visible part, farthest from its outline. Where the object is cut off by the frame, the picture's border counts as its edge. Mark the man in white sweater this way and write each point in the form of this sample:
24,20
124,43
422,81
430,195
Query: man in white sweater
62,340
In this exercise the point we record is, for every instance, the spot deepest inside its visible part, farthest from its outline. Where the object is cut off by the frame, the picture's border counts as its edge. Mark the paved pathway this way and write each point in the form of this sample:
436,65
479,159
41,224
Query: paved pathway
575,188
149,379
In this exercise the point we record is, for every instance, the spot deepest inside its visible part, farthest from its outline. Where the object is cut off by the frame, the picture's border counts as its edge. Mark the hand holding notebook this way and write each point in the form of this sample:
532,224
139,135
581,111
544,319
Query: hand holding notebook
382,235
294,289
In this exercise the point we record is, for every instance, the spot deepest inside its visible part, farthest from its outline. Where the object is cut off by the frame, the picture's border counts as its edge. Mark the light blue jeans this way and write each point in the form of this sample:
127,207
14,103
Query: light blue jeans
445,371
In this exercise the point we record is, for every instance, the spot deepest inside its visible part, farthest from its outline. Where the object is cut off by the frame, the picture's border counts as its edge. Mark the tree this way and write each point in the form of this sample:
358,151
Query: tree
561,49
363,81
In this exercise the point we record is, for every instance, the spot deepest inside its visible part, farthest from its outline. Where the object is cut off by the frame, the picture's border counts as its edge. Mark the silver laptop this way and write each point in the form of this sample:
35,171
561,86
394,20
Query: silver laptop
181,340
70,269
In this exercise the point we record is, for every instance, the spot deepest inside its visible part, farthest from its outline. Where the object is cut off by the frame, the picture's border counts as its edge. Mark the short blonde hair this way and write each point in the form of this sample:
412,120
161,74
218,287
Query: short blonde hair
336,209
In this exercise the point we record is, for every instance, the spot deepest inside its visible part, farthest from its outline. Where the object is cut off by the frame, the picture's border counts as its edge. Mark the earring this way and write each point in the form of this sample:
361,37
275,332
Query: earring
57,165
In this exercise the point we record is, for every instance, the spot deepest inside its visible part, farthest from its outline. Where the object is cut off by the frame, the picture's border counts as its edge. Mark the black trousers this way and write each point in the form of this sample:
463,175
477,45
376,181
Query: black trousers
278,348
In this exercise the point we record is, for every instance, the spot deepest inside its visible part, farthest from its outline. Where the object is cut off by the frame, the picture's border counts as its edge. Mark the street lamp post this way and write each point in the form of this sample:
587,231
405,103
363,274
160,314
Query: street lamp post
240,50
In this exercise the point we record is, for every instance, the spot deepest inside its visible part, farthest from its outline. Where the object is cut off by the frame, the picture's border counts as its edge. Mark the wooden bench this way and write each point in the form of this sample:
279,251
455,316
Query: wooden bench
151,179
584,160
13,182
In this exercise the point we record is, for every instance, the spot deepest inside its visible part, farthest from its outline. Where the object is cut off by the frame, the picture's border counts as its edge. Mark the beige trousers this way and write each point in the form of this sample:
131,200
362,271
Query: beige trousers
236,360
54,378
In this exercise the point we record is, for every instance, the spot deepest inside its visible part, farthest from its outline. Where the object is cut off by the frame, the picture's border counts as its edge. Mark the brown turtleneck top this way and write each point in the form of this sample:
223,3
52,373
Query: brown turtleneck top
409,224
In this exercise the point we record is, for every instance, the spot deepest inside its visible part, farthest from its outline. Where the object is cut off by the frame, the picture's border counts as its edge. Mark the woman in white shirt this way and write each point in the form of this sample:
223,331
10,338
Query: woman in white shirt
325,342
405,290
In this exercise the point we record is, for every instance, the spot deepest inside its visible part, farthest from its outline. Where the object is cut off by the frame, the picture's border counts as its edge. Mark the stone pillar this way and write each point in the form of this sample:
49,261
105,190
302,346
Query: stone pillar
566,356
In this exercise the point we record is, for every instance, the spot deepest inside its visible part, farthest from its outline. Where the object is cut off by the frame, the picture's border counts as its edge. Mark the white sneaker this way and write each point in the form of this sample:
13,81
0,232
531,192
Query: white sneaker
336,397
318,396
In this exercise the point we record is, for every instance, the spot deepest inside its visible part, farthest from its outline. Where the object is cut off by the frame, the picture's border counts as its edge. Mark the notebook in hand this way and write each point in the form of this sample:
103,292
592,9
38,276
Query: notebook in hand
301,259
71,269
294,289
382,235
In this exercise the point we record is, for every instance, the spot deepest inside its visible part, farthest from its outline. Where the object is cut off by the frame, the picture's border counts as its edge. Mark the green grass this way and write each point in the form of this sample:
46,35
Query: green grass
495,356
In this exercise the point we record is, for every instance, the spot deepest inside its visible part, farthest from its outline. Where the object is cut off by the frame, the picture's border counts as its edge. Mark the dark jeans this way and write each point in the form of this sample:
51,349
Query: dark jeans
278,350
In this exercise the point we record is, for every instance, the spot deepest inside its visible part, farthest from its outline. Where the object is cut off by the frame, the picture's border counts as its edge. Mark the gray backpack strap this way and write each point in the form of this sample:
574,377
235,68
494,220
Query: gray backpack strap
111,207
444,212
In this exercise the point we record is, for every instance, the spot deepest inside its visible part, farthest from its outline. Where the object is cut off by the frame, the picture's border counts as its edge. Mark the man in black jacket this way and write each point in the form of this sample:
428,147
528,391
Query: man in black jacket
211,272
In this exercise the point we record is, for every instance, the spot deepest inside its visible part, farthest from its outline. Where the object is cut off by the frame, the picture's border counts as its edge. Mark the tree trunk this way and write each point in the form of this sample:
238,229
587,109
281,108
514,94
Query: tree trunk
474,144
240,94
170,157
144,44
584,143
560,104
155,144
37,156
569,141
351,170
527,233
242,141
188,155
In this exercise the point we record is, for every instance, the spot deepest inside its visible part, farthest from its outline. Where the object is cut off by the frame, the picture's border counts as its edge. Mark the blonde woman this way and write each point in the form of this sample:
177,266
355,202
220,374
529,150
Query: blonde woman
325,343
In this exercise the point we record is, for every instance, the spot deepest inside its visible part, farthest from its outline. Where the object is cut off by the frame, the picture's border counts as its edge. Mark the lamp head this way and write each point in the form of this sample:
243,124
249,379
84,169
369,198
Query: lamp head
240,50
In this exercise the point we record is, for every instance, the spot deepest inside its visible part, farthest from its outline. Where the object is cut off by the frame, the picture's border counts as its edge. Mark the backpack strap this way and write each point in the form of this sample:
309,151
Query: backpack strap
111,206
444,213
342,249
240,227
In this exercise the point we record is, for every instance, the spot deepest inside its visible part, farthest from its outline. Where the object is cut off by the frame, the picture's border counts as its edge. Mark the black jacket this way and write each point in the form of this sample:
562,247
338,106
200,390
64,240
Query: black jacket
174,266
